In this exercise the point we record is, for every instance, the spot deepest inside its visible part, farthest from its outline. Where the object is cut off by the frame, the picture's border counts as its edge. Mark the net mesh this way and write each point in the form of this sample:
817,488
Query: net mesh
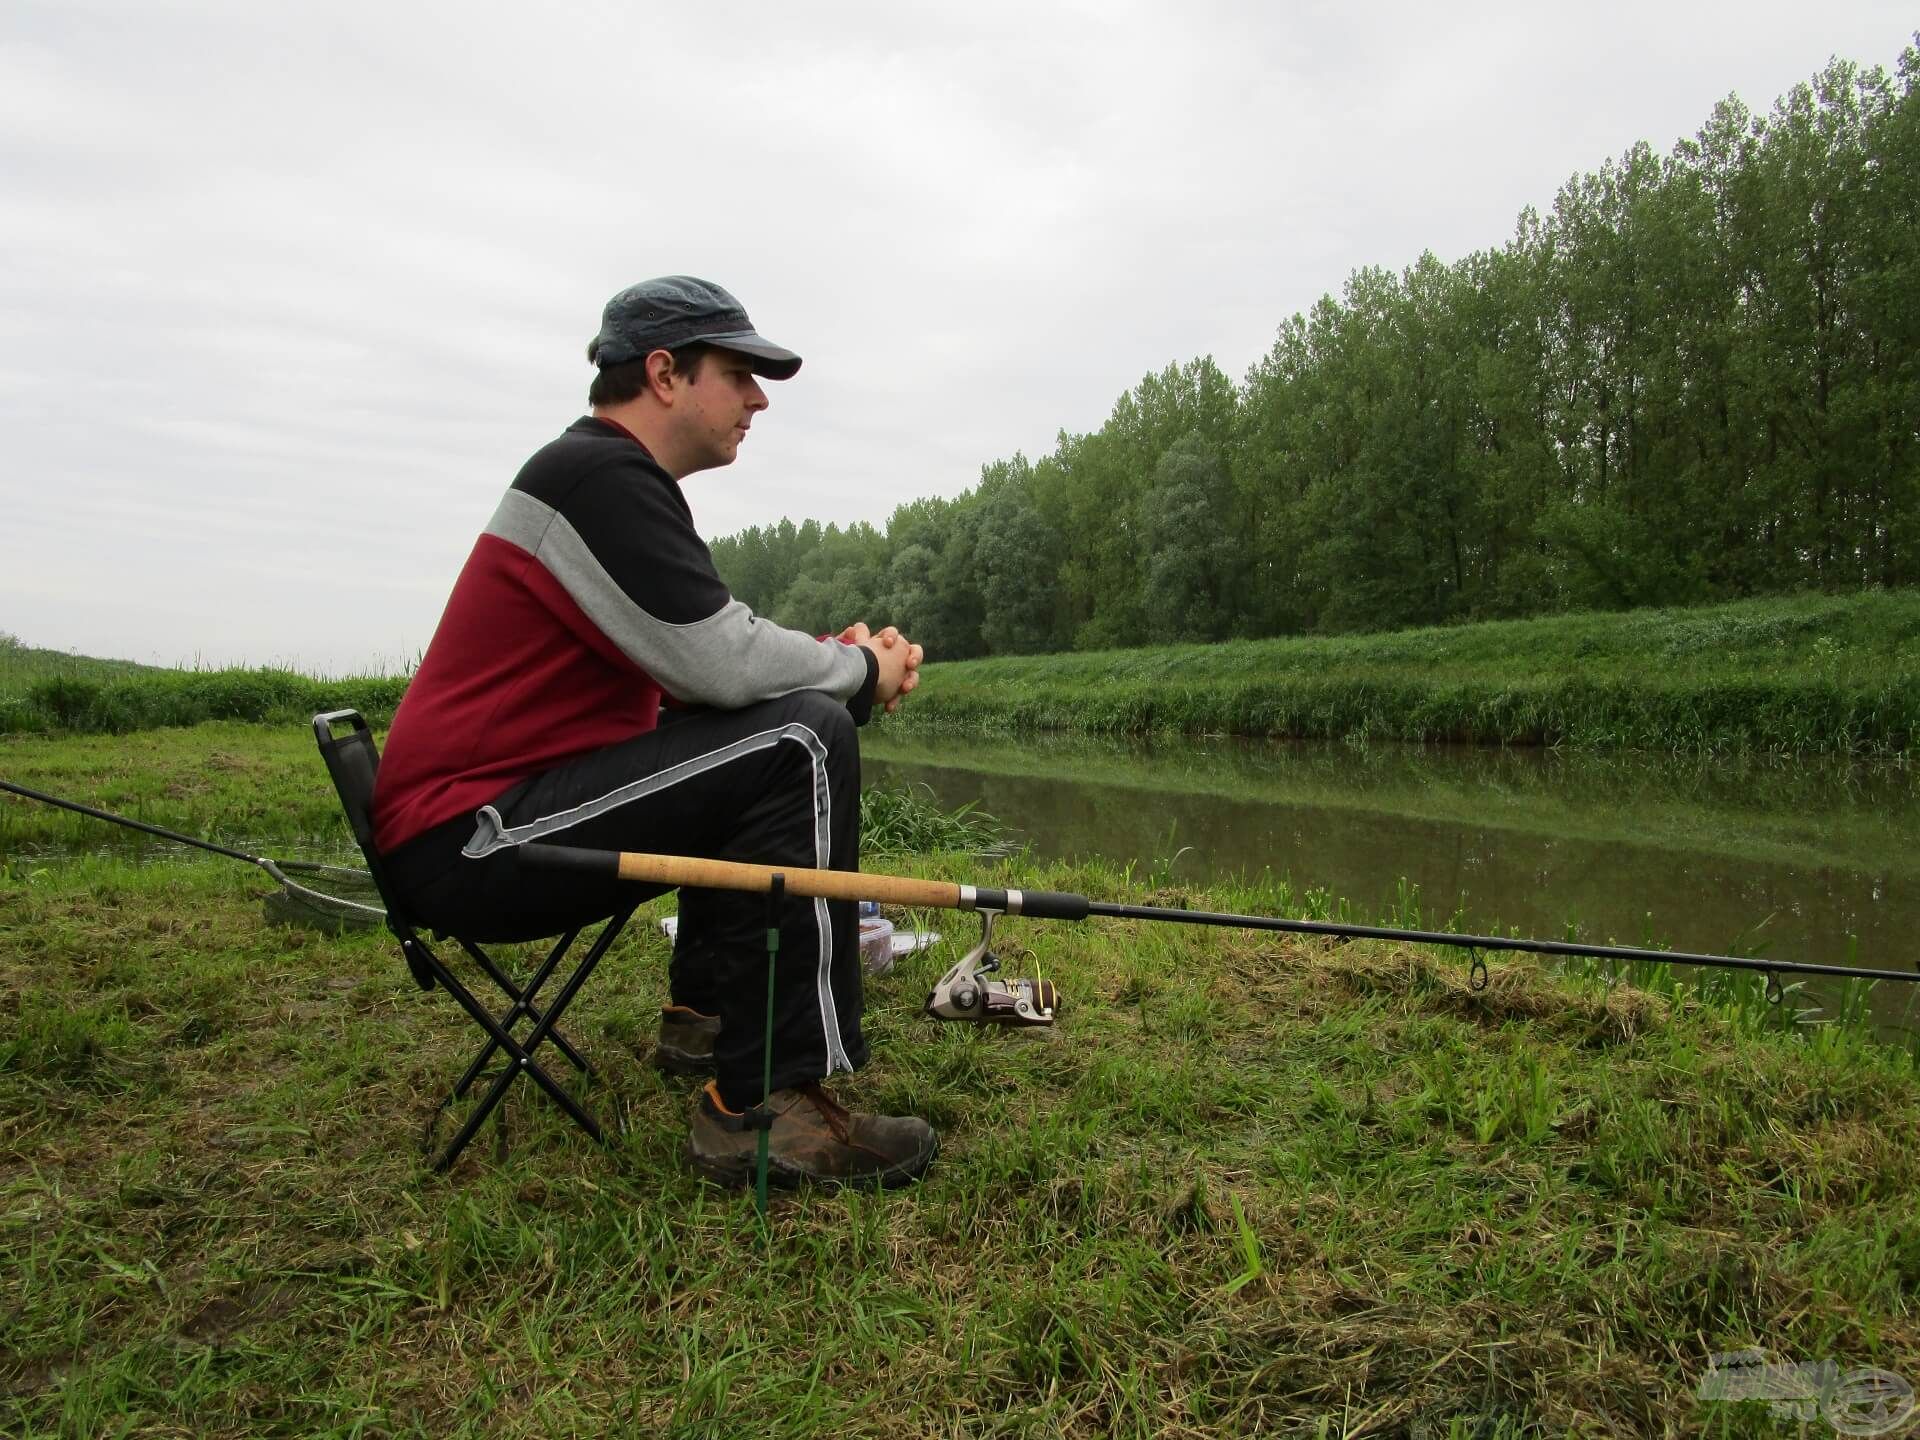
324,897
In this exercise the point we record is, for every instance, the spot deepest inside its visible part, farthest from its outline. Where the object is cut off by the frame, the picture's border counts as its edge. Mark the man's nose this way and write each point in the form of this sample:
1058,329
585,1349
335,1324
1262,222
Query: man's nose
756,397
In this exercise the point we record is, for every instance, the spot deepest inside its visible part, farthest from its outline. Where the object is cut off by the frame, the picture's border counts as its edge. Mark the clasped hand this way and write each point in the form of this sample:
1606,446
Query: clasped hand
899,660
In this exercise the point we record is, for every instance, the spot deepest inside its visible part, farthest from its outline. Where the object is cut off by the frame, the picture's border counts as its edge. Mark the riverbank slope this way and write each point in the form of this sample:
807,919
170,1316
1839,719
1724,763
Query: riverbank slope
1826,674
1834,674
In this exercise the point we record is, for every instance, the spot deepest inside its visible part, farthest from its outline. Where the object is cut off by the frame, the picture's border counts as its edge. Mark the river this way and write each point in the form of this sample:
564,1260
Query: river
1793,859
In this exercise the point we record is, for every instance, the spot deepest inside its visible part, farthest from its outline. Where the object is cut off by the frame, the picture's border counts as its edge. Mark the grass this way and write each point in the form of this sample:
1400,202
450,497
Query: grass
262,789
1251,1185
254,787
1805,673
1801,674
120,705
23,666
49,690
904,820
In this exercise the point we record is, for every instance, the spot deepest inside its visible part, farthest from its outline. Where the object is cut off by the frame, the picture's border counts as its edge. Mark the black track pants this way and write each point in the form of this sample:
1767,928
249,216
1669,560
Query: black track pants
777,783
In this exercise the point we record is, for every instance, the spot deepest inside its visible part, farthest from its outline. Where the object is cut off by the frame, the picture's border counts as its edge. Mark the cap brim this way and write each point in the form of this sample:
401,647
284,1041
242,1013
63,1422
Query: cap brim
776,362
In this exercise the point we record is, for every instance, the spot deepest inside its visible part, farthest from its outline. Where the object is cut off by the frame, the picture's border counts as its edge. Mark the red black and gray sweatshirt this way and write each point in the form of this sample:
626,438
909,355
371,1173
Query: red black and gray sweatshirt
588,594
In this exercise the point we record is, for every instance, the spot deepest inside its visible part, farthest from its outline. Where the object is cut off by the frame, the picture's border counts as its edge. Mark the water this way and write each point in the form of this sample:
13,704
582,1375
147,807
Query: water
1794,859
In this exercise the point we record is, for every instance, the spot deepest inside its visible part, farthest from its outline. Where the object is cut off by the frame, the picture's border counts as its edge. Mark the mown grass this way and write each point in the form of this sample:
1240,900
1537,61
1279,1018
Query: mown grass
253,787
1805,673
261,788
1250,1185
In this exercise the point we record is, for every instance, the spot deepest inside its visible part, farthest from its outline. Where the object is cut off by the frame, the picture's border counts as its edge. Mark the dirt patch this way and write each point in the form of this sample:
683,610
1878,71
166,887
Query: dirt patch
24,1380
222,1317
1519,991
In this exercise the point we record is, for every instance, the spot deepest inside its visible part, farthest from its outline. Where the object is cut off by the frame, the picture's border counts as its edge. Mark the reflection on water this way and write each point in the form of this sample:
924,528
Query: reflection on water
1798,860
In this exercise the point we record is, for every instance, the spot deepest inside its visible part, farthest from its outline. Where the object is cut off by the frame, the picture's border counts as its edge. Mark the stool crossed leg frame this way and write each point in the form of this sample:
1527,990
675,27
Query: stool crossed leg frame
500,1028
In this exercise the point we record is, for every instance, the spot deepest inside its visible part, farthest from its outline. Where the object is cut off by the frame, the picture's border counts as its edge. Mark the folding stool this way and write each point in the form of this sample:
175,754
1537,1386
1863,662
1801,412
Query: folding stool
352,760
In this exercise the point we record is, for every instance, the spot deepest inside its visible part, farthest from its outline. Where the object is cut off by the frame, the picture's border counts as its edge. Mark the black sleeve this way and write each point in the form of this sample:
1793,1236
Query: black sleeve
861,705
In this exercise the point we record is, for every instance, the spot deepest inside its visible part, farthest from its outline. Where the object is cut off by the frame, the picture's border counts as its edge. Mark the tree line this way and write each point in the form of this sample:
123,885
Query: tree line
1696,377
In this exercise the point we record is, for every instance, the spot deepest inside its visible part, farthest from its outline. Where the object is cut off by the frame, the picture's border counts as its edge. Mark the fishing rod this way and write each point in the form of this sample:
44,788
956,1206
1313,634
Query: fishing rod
333,905
965,992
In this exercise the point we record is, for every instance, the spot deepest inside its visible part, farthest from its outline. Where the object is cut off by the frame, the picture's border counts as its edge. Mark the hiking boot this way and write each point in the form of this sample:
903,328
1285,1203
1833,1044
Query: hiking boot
813,1141
685,1046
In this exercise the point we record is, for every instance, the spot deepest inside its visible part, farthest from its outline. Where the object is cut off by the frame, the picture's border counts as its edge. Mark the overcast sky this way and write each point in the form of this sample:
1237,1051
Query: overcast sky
290,291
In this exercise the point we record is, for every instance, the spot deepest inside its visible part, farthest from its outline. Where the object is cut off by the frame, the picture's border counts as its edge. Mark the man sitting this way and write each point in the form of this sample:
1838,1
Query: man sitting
534,715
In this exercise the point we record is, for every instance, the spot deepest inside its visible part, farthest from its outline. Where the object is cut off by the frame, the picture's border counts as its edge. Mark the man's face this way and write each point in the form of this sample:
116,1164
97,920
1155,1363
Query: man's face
713,410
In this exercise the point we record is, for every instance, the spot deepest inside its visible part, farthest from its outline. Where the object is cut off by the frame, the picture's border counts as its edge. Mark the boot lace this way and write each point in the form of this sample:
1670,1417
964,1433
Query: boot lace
831,1110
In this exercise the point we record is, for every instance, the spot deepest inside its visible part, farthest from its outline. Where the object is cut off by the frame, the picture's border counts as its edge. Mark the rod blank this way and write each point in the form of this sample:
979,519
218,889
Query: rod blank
677,870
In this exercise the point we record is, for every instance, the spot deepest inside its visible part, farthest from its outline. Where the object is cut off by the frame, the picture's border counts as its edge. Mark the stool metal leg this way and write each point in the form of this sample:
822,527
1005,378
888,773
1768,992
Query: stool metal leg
520,1052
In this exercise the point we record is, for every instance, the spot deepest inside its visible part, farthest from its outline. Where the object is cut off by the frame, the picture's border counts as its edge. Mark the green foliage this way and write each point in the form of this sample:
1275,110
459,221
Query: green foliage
1015,555
1692,377
1189,556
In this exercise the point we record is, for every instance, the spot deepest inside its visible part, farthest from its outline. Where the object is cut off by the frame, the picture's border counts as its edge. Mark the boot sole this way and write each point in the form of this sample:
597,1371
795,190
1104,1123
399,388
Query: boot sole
736,1171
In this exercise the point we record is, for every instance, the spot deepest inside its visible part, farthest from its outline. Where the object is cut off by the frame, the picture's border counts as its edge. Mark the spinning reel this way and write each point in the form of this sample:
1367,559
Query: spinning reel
967,993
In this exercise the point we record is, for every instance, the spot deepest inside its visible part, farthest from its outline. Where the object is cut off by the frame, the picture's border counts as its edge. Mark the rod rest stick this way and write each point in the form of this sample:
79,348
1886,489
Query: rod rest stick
684,870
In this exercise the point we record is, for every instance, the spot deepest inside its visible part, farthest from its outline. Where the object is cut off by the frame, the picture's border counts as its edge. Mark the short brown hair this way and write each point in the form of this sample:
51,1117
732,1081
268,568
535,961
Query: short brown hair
616,384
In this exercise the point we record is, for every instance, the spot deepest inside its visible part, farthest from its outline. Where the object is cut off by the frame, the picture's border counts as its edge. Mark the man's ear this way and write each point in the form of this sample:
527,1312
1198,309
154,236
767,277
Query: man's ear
661,375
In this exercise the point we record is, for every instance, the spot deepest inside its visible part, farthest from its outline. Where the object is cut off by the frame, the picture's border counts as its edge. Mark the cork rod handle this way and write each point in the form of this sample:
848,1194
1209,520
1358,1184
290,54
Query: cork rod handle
825,884
678,870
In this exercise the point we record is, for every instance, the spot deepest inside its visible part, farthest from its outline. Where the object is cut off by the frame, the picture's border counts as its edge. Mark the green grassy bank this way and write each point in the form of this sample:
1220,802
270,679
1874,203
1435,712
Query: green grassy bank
1832,674
1809,673
1250,1185
24,666
118,704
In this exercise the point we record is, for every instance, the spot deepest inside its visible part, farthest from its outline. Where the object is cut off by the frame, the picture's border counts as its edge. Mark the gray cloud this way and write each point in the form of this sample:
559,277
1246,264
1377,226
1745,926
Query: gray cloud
290,291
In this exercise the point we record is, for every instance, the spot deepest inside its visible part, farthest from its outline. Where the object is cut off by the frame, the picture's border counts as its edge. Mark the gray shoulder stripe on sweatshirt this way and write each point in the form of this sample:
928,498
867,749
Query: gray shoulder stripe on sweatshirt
729,659
521,520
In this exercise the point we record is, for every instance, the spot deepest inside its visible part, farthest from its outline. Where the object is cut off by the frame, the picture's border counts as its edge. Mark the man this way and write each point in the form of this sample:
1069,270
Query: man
534,716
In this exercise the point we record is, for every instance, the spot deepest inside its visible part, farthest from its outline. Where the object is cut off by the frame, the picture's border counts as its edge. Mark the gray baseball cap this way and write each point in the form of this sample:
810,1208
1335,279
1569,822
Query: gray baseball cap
677,310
